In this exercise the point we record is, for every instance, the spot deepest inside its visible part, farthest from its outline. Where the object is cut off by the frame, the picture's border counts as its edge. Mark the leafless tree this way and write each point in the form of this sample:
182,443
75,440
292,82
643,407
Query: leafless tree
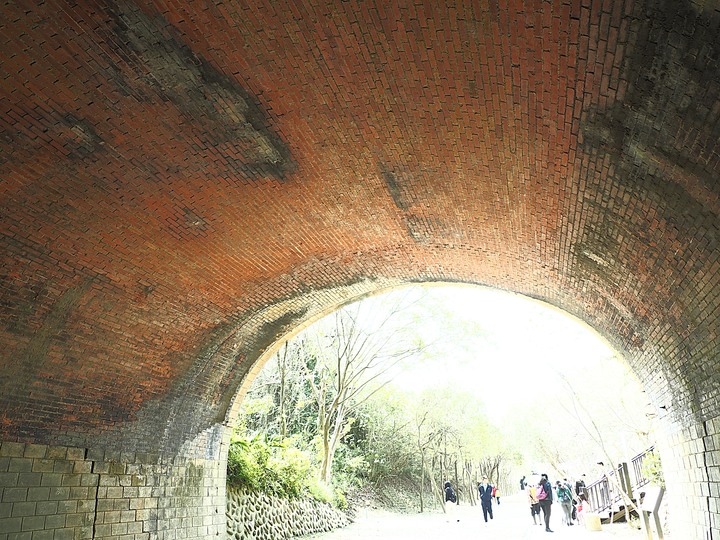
355,360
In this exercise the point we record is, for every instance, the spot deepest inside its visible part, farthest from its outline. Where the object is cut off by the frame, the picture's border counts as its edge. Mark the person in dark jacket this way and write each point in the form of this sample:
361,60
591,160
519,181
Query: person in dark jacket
485,489
450,493
580,486
450,500
546,499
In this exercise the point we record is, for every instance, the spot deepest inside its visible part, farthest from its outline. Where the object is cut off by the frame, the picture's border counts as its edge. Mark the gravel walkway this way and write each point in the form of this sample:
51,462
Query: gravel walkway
512,521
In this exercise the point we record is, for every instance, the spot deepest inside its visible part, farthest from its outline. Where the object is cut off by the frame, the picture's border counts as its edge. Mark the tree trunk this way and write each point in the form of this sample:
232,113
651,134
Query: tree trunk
283,370
330,442
471,487
325,466
433,486
457,482
422,481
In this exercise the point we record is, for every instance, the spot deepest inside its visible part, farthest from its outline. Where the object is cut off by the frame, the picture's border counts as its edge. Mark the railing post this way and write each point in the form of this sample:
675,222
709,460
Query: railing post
625,480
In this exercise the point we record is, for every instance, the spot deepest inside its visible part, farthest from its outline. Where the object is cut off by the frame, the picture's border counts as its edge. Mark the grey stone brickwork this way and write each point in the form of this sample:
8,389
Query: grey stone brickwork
63,493
690,465
258,516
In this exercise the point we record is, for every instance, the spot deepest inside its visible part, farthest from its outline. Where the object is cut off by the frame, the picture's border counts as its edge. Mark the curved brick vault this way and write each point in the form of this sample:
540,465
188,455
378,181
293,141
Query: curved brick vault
183,183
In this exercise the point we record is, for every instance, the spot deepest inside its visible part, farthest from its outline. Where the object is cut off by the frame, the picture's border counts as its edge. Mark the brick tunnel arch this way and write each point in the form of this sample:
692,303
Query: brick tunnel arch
646,362
184,184
351,295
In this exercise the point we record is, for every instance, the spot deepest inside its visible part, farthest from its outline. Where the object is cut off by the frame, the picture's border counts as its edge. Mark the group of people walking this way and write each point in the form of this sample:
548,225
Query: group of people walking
542,495
486,492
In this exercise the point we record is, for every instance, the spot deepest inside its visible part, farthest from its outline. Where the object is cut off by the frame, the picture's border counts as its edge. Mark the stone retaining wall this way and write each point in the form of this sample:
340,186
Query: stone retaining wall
258,516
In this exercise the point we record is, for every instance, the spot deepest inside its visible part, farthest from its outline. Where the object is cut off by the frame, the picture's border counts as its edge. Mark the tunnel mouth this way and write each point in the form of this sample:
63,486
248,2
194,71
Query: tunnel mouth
502,308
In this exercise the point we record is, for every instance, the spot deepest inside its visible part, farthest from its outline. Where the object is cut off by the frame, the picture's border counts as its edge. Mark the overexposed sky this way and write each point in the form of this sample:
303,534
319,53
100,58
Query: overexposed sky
503,346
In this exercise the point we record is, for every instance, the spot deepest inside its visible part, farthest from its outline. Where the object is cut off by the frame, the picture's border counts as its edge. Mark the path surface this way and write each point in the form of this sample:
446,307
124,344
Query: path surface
512,521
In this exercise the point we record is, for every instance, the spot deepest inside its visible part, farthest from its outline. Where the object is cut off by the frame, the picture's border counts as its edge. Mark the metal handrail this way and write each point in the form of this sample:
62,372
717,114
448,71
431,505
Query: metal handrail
601,493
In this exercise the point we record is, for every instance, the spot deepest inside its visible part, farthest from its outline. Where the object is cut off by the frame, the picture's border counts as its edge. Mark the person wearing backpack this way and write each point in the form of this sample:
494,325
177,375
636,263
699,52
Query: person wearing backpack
565,498
450,495
534,505
545,496
450,500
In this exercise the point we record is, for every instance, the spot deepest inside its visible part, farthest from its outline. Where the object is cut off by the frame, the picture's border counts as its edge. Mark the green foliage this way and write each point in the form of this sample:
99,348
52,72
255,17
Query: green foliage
330,494
284,469
350,466
383,434
271,466
652,469
320,491
339,499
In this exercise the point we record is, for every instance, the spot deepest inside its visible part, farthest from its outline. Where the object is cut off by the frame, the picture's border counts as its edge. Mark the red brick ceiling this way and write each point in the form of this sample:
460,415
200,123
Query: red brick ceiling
183,182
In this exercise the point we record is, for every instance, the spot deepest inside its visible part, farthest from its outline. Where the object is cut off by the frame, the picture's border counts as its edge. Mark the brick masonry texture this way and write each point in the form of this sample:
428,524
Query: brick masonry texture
77,493
185,183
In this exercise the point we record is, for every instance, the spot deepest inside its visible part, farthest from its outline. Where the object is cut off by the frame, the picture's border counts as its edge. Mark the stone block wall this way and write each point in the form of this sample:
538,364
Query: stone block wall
258,516
64,493
691,475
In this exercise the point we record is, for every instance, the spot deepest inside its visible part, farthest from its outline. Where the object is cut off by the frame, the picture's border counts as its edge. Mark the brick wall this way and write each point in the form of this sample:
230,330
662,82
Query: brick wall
690,503
57,492
183,183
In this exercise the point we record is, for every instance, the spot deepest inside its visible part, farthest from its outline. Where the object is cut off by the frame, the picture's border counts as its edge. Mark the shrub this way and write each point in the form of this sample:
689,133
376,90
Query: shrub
268,465
339,500
246,464
652,468
279,467
321,491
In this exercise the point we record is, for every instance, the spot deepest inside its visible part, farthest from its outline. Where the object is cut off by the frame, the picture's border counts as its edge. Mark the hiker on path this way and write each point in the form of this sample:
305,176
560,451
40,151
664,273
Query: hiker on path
485,489
450,495
565,498
545,496
580,486
534,505
496,494
450,499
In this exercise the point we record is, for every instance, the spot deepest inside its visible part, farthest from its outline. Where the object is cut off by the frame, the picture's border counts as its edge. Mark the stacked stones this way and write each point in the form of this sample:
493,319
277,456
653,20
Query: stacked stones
257,516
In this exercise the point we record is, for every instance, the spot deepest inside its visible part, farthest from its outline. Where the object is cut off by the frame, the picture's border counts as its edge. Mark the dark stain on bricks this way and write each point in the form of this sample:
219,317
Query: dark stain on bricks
205,390
188,223
224,115
394,188
83,139
422,228
54,324
31,365
406,190
673,67
271,331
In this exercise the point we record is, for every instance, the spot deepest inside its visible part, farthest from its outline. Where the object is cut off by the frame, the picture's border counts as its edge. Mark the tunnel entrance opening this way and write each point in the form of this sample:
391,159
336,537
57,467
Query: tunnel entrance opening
532,388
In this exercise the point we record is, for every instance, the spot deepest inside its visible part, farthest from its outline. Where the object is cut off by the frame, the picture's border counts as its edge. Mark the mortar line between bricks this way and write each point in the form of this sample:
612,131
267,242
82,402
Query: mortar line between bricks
709,497
97,490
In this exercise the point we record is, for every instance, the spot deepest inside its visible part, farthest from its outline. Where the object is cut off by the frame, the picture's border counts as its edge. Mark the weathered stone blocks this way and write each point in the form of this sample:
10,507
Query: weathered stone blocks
258,516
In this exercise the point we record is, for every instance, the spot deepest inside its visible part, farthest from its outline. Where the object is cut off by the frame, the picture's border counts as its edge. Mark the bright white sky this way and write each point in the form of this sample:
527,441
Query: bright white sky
505,345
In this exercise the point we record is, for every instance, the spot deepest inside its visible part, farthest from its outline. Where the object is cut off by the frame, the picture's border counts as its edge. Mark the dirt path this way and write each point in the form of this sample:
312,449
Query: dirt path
511,521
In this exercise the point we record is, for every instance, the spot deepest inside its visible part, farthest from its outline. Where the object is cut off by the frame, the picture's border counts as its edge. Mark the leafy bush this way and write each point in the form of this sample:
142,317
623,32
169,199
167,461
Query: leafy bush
292,468
321,491
652,468
339,499
272,466
246,463
350,467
